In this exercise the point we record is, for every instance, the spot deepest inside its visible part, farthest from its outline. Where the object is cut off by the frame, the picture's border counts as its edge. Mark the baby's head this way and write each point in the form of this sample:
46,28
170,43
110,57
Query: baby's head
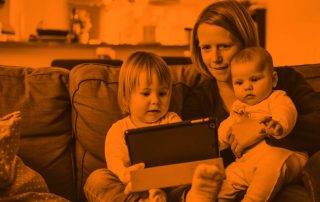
144,88
253,77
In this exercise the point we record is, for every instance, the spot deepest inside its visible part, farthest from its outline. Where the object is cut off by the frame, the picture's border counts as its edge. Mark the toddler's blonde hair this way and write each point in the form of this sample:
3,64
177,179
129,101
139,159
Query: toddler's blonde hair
131,69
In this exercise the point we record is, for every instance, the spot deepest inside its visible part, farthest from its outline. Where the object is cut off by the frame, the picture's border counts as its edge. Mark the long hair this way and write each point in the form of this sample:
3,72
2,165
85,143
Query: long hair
130,71
230,15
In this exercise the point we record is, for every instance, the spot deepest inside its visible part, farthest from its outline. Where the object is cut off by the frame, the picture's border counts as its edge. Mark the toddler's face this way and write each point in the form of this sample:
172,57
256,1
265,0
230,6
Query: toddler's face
149,101
250,84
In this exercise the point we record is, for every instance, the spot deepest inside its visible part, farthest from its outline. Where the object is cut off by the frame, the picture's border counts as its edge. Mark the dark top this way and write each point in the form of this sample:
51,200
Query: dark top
205,101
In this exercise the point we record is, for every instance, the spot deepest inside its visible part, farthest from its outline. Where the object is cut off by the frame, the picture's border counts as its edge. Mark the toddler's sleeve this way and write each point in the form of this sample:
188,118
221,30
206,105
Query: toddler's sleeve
116,150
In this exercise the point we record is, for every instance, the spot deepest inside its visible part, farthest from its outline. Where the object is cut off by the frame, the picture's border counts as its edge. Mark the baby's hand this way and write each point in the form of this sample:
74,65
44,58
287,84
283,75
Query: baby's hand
273,127
206,184
157,195
125,177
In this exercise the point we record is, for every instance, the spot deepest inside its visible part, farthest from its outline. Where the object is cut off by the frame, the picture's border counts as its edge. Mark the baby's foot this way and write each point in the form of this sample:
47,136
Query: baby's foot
206,184
157,195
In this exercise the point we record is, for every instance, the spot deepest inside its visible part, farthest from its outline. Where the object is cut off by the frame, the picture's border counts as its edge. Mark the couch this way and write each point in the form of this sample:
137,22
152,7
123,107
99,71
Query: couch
66,114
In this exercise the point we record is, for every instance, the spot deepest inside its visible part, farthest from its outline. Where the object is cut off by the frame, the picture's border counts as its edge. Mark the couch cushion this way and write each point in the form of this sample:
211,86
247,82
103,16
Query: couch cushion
93,91
311,73
42,96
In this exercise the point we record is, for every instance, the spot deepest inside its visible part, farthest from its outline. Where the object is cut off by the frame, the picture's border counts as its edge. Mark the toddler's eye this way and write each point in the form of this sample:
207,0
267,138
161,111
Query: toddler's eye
163,93
145,94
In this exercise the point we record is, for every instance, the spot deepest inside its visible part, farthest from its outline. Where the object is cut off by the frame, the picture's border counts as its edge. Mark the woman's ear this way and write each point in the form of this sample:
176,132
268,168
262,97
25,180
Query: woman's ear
274,79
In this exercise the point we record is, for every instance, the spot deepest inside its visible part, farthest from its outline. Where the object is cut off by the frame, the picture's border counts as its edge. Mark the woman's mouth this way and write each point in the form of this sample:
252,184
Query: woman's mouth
220,68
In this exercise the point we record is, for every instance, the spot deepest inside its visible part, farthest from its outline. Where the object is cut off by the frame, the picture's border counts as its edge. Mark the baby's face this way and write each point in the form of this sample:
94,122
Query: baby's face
149,101
251,82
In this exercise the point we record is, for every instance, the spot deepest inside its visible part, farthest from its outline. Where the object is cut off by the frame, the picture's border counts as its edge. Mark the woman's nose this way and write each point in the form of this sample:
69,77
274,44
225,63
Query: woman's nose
216,57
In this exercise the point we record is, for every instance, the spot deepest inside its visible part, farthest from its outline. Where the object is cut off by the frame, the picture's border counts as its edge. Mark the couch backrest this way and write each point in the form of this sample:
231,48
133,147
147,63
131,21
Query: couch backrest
46,135
311,73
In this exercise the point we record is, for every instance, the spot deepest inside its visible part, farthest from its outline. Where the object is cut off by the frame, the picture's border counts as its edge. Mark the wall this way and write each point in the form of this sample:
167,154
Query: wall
293,30
123,22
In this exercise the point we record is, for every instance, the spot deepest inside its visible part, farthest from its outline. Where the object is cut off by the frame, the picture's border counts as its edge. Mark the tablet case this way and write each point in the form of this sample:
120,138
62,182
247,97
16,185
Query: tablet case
171,149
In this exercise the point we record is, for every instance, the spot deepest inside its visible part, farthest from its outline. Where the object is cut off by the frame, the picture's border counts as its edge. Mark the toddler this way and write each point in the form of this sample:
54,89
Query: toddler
144,94
263,169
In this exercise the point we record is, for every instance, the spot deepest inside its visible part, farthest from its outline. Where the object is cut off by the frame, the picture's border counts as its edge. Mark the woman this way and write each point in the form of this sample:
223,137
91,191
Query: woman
222,29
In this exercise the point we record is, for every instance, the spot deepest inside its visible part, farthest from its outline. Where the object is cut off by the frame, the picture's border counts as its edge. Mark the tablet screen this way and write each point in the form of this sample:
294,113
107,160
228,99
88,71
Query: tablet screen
173,143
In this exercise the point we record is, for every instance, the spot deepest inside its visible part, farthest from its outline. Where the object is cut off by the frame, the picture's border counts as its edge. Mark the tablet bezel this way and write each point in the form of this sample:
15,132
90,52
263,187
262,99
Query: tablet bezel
176,151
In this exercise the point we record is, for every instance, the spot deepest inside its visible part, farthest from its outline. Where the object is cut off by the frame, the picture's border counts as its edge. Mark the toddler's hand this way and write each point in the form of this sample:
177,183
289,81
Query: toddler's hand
125,177
206,184
157,195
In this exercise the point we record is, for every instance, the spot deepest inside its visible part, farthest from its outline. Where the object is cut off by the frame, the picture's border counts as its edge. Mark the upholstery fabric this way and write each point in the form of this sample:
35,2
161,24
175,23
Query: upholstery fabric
41,95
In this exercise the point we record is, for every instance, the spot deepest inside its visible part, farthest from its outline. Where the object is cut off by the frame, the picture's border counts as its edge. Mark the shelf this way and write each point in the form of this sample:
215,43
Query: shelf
86,2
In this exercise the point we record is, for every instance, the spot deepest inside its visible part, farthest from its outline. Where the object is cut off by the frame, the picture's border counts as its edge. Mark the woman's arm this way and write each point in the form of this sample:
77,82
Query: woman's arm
306,133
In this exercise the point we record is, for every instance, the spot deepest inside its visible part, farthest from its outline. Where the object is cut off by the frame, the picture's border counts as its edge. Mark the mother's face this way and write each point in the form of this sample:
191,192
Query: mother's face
217,47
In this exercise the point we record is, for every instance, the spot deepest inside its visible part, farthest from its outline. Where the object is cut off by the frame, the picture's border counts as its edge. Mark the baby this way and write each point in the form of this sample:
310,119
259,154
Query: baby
263,169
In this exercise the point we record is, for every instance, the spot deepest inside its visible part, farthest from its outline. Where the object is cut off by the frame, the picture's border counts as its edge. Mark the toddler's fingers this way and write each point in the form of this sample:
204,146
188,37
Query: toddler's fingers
128,188
137,166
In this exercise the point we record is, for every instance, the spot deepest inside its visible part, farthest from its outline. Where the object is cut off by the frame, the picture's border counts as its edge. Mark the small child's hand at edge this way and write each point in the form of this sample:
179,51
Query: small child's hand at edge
157,195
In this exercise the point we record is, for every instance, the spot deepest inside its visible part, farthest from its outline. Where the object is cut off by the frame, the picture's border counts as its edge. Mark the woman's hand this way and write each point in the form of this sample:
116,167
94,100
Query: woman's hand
245,134
125,178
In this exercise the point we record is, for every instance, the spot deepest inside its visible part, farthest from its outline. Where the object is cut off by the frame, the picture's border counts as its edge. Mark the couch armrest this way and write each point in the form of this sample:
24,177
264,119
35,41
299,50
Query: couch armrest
311,177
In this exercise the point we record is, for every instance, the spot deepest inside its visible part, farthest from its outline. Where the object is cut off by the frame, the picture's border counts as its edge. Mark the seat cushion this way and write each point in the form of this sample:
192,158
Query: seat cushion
41,94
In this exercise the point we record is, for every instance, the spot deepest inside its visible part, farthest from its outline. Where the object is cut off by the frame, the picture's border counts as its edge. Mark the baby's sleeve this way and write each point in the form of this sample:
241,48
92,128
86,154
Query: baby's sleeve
284,111
223,133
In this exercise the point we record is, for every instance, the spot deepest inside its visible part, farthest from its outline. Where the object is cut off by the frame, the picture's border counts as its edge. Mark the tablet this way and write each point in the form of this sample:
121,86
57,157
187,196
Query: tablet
173,143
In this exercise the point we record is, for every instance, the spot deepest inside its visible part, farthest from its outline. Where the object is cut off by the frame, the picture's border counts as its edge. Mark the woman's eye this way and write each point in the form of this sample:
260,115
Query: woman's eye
205,47
224,46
